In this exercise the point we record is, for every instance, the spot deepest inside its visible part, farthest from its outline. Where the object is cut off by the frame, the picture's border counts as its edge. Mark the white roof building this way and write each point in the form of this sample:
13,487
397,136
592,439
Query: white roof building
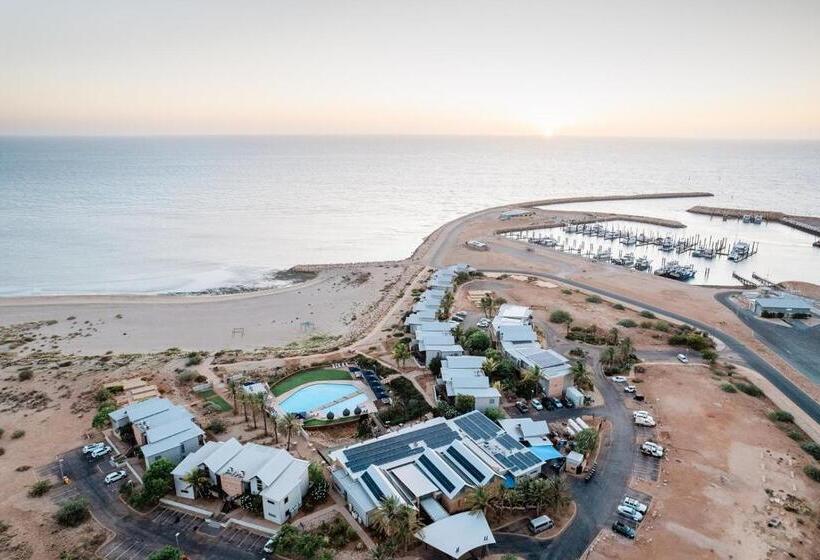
456,535
509,314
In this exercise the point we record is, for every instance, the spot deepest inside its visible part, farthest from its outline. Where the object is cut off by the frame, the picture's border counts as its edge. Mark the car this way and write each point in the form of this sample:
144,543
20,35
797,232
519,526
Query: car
636,413
100,452
461,315
483,323
522,406
268,548
652,448
618,379
556,403
92,446
547,402
457,318
635,504
115,476
682,358
645,421
630,513
630,389
536,404
623,529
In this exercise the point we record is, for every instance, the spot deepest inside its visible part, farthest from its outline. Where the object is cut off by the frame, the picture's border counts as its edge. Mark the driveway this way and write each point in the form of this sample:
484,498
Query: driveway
139,535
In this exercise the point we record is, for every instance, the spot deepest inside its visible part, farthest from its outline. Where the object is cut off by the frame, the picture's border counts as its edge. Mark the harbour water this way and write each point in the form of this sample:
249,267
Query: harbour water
158,214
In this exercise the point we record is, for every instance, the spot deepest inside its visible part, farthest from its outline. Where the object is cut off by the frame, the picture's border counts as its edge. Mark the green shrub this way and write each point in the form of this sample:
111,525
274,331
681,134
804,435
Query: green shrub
566,292
812,449
618,306
709,355
465,403
696,341
749,389
781,416
628,323
647,314
194,359
646,324
167,552
729,388
2,431
17,434
25,375
796,435
560,316
663,326
494,413
155,483
72,513
101,418
594,299
812,472
39,488
216,426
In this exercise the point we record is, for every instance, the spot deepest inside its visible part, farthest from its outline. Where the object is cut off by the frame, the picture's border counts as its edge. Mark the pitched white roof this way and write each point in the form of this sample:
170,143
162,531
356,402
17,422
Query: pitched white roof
287,479
225,453
414,480
196,458
170,442
464,362
458,534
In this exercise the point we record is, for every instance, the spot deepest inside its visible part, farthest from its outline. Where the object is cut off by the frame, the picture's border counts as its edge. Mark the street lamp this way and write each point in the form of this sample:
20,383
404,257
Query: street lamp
60,462
177,539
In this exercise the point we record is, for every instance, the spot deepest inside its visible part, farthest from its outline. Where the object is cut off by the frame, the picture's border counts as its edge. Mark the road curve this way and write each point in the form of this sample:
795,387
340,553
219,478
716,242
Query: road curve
802,400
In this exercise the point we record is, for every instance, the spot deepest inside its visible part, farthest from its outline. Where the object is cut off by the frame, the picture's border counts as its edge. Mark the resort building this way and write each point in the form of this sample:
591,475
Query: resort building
160,428
509,314
235,469
432,467
462,375
784,306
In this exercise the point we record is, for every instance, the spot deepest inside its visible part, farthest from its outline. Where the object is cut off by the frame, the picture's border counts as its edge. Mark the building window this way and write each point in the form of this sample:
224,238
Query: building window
272,503
286,499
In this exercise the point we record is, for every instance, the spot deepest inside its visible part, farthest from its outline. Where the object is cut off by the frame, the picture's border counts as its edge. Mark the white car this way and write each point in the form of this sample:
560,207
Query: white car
115,476
630,513
100,452
268,548
536,404
92,446
630,389
683,359
635,504
483,323
636,413
644,421
652,448
619,379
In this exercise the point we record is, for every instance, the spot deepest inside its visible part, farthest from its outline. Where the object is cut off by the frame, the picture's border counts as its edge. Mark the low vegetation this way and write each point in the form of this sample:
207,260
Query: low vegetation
39,488
586,440
812,449
308,376
628,323
72,513
750,389
780,416
408,403
560,316
728,388
594,299
166,553
317,544
17,434
156,482
812,472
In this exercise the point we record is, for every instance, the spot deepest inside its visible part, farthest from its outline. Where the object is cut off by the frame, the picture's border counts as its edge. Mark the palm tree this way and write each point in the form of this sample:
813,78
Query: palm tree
482,499
612,337
608,356
243,398
199,479
558,494
486,305
275,424
287,422
458,333
232,388
385,516
625,349
580,375
408,526
400,353
261,401
490,365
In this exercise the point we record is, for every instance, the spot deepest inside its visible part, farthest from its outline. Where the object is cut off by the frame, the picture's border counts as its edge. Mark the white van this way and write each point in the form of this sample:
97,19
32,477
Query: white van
542,523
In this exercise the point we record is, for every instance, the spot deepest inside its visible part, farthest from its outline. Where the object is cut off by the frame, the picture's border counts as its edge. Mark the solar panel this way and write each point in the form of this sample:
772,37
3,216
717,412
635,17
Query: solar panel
509,442
503,460
437,474
380,452
374,488
468,466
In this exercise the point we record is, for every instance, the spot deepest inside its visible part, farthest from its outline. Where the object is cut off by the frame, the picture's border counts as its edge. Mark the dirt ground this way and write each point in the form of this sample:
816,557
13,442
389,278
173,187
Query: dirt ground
716,494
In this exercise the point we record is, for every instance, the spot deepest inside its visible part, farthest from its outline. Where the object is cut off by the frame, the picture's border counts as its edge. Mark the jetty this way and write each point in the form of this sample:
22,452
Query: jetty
806,224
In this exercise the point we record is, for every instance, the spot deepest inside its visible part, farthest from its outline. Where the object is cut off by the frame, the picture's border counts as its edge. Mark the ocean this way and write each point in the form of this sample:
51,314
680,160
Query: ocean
163,214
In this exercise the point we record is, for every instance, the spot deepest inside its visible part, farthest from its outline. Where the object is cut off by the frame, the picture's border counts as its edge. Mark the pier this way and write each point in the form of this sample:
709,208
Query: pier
806,224
744,281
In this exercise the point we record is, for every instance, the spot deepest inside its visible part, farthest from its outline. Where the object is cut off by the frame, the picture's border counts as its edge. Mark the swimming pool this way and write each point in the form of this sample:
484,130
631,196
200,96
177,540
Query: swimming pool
545,452
315,397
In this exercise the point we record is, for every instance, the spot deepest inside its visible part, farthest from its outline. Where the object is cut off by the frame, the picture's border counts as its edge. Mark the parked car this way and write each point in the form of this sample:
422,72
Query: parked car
618,379
522,406
92,446
483,323
268,548
100,452
645,421
652,448
536,404
630,513
623,529
542,523
115,476
635,504
636,413
630,389
556,403
683,359
457,318
547,402
567,403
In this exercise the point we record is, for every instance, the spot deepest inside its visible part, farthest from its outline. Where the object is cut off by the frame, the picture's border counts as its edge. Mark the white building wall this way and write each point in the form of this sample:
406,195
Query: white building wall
277,511
182,488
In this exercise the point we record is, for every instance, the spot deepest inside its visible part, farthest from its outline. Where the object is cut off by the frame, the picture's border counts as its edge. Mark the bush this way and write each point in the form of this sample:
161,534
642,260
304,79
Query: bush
216,426
796,435
156,482
663,326
39,488
566,292
17,434
729,388
618,306
476,341
560,316
646,324
647,314
167,552
628,323
812,472
101,418
781,416
696,341
594,299
446,410
72,513
494,413
194,359
2,431
749,389
812,449
465,403
25,375
586,440
709,355
435,366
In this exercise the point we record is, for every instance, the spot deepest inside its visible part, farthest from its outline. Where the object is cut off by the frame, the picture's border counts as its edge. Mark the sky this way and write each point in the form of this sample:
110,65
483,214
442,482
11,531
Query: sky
656,68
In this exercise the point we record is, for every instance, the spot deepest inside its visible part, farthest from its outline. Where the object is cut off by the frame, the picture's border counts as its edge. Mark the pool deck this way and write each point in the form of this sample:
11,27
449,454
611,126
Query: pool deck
360,386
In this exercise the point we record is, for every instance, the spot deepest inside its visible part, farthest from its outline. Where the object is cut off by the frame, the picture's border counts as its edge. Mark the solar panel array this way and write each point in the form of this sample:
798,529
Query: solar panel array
509,442
464,463
380,452
524,460
503,460
445,482
477,426
374,488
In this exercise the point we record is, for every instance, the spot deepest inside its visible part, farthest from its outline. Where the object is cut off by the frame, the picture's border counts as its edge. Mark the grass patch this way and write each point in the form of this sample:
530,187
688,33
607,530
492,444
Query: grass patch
812,472
749,389
628,323
618,306
215,400
780,416
316,422
594,299
309,376
728,388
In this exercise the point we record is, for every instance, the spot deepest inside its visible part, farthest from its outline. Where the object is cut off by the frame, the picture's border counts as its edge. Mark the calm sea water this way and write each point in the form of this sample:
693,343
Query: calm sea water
103,215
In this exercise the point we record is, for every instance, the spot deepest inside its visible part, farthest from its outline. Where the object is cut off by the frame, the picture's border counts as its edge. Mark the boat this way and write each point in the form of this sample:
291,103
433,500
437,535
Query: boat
746,218
629,240
740,251
668,245
676,271
704,252
642,263
758,219
610,235
603,255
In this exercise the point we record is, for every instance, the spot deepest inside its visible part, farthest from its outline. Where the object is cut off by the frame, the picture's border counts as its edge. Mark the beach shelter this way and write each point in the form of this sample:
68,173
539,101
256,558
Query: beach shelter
456,535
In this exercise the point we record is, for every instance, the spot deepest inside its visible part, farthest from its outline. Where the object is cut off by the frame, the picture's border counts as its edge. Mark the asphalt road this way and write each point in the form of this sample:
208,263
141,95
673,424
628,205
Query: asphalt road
138,535
798,344
755,362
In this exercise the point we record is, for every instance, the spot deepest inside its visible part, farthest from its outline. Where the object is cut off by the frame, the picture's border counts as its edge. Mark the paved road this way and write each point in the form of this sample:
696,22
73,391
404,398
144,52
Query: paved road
798,344
140,535
789,389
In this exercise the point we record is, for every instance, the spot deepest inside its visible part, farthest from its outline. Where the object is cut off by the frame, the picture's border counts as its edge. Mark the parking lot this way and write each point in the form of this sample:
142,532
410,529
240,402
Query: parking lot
243,540
642,497
125,549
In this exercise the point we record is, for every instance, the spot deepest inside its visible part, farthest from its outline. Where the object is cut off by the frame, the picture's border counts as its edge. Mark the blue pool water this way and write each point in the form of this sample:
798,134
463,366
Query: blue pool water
545,452
312,397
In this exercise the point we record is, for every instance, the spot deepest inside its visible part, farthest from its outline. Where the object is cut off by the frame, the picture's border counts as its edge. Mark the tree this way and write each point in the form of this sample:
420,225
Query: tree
494,413
383,551
465,403
243,398
233,388
288,421
625,350
400,353
200,481
580,376
486,304
482,499
73,512
435,366
260,400
253,405
386,515
476,341
558,494
275,424
317,485
612,336
166,553
586,440
608,357
528,384
560,316
490,365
